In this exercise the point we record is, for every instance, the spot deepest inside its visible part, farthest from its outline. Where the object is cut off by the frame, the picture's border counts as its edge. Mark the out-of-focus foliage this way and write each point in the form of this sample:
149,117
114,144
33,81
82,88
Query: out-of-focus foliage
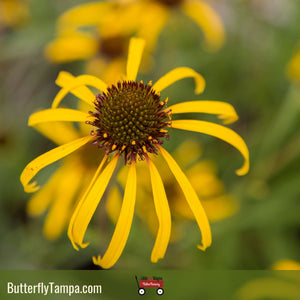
249,71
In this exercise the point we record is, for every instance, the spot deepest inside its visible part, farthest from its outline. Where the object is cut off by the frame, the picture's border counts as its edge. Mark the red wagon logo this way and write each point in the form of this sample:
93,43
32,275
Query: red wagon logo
150,282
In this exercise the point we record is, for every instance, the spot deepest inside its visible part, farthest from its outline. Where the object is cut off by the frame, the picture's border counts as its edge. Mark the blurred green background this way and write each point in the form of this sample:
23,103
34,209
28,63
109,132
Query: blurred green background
249,72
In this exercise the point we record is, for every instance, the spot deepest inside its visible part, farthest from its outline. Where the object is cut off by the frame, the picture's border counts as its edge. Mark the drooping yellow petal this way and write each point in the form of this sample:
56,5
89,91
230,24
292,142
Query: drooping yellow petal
46,159
88,203
71,48
65,191
163,214
136,47
57,114
123,226
224,110
82,92
192,199
77,82
221,132
58,132
178,74
208,21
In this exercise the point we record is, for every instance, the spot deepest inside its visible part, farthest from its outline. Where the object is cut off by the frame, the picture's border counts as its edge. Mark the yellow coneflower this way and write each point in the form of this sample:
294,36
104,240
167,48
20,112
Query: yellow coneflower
99,32
88,32
131,121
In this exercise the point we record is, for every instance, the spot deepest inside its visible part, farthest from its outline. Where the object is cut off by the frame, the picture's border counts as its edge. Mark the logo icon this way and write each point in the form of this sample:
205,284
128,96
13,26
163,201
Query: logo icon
150,282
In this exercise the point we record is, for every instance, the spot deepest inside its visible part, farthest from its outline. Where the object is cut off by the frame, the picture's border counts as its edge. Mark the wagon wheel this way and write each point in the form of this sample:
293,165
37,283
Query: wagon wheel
141,291
159,291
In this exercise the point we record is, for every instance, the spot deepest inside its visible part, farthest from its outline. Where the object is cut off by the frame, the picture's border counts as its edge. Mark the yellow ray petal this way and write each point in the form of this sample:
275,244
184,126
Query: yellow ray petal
123,226
177,74
220,132
82,92
60,210
163,214
77,82
57,114
58,132
88,203
224,110
86,14
208,21
136,47
192,199
71,48
46,159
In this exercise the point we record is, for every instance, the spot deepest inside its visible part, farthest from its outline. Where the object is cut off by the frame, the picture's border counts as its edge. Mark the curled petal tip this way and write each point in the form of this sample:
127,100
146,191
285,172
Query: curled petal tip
199,89
155,259
243,170
229,120
99,262
96,260
200,83
74,245
202,247
84,245
63,75
32,187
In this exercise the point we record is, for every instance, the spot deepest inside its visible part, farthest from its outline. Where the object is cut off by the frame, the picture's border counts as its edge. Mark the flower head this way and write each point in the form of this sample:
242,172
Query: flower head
142,142
99,32
130,118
